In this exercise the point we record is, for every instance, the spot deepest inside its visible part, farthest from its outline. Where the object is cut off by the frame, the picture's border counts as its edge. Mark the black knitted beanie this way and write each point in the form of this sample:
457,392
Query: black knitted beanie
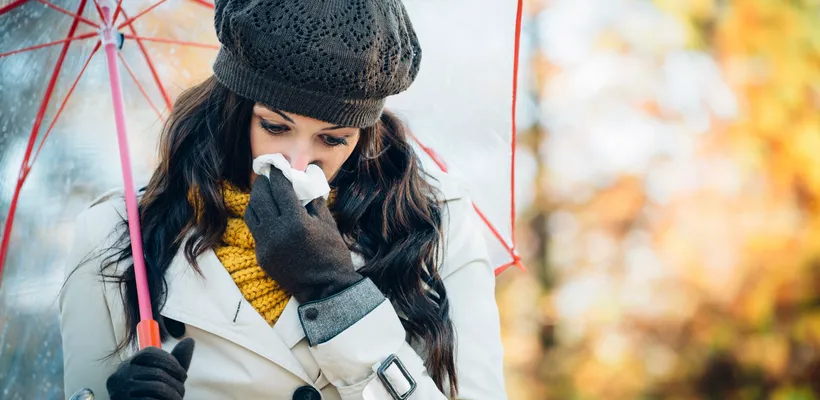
333,60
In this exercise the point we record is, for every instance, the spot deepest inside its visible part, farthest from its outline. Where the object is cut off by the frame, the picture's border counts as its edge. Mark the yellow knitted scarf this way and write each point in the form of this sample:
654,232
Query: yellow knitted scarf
237,255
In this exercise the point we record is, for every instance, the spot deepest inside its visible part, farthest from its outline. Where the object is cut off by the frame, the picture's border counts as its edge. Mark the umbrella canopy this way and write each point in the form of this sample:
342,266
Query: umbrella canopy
59,147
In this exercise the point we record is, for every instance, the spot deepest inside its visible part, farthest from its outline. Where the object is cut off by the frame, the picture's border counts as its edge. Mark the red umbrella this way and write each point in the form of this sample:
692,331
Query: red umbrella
111,26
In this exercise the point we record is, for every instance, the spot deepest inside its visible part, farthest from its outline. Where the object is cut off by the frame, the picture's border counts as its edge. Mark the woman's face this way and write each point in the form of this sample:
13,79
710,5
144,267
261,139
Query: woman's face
302,140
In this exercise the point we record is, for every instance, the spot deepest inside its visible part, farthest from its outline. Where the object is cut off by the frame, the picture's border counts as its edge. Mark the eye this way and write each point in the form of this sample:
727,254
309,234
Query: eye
272,128
334,141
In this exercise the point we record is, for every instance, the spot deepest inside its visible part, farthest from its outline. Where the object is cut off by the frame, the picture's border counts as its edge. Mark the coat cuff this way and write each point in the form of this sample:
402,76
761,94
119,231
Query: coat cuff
323,319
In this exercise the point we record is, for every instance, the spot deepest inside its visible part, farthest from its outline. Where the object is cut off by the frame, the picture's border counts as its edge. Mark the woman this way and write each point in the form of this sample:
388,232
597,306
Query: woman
382,292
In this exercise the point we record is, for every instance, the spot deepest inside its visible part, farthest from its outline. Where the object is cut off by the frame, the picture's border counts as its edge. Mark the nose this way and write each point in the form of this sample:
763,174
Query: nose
299,162
299,157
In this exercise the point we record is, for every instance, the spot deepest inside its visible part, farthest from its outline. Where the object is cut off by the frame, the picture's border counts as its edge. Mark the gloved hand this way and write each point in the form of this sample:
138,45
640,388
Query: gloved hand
299,247
152,373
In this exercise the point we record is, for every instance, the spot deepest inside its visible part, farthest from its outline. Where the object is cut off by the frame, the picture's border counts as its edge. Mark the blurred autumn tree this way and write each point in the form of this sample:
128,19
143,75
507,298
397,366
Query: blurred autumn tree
711,289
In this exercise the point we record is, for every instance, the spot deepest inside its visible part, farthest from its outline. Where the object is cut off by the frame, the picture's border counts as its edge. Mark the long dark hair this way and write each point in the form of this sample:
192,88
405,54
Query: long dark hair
382,203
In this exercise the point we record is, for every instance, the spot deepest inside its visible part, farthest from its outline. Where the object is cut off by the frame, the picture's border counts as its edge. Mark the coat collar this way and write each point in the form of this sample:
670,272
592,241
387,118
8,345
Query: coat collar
211,301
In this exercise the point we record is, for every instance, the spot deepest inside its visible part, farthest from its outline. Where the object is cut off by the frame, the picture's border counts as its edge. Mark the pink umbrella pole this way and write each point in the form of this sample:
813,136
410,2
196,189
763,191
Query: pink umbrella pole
147,329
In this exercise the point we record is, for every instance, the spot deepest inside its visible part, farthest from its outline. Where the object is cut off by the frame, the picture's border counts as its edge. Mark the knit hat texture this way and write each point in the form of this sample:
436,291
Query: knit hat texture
333,60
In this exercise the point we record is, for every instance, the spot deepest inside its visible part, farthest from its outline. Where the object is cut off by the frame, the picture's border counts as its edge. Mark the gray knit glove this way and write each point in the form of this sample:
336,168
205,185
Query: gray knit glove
298,247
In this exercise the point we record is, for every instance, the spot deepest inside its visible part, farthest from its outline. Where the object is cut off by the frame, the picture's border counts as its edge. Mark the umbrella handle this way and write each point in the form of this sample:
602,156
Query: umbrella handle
147,329
148,334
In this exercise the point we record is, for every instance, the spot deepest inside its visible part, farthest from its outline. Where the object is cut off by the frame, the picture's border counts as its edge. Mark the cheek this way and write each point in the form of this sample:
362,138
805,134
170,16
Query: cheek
263,143
335,158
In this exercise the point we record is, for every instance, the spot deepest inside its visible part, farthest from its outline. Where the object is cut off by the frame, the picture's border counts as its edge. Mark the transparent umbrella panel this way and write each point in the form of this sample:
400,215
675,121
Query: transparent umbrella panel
78,159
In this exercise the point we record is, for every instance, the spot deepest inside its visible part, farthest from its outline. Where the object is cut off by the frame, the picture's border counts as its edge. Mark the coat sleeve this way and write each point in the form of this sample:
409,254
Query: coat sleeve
85,322
350,357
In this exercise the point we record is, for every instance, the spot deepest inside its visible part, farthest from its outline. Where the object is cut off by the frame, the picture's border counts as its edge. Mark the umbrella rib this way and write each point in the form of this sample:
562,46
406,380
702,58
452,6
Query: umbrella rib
173,41
140,87
432,153
24,167
99,11
63,104
11,6
518,15
204,3
117,12
493,230
516,258
56,42
129,21
516,262
151,67
440,163
511,248
69,13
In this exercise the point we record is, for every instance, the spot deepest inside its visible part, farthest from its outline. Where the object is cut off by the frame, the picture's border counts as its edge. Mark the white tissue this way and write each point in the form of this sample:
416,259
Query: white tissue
308,184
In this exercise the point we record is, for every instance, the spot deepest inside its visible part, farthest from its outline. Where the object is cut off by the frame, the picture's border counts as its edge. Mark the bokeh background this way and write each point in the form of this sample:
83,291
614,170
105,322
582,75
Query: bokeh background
667,192
671,228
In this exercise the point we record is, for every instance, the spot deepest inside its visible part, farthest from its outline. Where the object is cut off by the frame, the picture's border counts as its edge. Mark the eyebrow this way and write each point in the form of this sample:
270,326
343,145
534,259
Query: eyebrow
281,114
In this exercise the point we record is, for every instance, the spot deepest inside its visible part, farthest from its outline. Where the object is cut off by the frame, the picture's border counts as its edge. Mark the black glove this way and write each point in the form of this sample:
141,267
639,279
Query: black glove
299,247
152,373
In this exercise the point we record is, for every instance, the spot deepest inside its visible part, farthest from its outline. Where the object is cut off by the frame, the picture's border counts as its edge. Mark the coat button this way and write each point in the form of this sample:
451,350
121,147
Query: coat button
307,393
311,314
175,328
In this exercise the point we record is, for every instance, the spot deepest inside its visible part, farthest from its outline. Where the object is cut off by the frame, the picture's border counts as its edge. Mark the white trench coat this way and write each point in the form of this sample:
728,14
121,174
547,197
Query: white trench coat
239,356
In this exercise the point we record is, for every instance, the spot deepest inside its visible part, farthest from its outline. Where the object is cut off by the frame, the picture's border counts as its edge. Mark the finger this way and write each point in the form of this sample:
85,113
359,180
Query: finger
251,219
318,208
263,203
154,390
157,358
183,352
282,191
148,374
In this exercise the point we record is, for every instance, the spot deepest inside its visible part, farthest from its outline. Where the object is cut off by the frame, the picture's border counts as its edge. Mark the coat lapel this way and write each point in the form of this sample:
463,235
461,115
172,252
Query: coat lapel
288,326
212,302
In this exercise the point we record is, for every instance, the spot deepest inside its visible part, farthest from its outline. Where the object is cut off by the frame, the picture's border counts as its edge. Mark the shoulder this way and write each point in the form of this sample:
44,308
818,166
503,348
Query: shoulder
456,203
107,207
104,207
102,221
462,233
102,215
447,186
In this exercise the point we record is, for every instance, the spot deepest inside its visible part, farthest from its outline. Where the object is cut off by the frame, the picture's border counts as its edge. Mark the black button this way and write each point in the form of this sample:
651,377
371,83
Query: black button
175,328
307,393
311,313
